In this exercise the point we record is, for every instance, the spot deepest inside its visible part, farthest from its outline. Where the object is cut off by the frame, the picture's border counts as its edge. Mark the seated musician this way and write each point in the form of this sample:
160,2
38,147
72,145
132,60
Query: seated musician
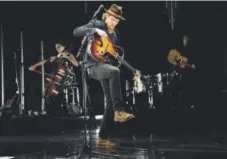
108,75
63,52
63,57
184,58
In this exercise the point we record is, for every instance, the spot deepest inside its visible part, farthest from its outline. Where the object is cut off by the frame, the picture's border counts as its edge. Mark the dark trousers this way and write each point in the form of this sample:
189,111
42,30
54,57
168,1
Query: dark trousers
109,76
189,90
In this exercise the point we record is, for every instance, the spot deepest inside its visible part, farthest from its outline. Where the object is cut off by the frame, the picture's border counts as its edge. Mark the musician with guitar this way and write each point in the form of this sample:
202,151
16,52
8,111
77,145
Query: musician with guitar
98,54
181,57
62,77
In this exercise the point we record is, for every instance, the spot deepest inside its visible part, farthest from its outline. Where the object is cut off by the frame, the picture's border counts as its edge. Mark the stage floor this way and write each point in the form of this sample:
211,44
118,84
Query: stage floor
71,144
56,140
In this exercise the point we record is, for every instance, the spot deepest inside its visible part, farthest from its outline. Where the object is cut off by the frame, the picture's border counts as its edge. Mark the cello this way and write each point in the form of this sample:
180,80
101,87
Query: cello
55,79
54,83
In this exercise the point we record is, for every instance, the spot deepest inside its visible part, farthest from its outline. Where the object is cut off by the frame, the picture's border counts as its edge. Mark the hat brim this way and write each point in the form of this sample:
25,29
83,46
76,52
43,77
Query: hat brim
115,15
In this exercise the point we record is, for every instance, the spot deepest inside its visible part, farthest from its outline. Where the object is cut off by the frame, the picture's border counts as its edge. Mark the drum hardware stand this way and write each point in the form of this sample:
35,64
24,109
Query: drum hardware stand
150,89
21,83
2,68
159,83
128,93
9,104
75,106
66,97
22,100
151,84
43,111
79,110
73,96
151,98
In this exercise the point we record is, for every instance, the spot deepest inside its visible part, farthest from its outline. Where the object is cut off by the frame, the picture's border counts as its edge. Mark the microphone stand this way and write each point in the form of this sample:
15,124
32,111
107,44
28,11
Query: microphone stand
87,37
16,76
82,53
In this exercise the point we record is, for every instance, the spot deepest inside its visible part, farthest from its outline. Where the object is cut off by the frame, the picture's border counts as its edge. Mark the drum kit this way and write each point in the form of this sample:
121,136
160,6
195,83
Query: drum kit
153,84
156,84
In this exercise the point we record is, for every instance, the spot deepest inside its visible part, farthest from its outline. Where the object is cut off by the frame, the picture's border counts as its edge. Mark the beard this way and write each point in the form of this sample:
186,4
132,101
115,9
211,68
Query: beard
111,27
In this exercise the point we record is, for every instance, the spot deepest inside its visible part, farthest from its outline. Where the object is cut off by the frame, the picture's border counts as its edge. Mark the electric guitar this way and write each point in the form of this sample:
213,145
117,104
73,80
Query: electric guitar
101,49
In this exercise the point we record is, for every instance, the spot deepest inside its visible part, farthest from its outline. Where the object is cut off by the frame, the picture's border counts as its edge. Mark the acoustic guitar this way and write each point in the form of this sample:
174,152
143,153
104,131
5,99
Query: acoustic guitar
101,49
175,58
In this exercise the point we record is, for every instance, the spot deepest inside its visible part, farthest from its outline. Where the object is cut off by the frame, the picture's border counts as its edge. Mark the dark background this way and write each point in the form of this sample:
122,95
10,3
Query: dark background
146,36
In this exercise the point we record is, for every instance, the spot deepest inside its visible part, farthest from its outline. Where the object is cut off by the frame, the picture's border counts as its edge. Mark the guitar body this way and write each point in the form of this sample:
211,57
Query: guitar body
103,50
100,48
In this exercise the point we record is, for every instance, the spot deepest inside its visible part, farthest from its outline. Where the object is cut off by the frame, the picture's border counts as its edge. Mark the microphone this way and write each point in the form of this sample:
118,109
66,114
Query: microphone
98,10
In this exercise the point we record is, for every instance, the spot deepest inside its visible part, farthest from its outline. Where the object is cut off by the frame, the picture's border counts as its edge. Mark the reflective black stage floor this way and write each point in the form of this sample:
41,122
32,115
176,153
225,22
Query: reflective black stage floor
20,141
70,145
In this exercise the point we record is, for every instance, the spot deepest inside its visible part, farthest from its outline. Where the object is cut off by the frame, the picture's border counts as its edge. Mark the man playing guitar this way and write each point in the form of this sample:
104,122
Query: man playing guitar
107,74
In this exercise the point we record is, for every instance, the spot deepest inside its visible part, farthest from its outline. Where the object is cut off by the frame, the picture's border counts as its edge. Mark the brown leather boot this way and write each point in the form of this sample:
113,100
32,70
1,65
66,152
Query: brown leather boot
120,116
105,142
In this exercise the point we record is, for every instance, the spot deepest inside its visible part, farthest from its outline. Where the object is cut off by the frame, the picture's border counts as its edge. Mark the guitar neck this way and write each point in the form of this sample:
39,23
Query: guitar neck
119,58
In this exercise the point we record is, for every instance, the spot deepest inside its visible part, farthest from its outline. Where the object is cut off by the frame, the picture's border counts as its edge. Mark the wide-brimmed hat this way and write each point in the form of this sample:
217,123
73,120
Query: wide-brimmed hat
116,11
